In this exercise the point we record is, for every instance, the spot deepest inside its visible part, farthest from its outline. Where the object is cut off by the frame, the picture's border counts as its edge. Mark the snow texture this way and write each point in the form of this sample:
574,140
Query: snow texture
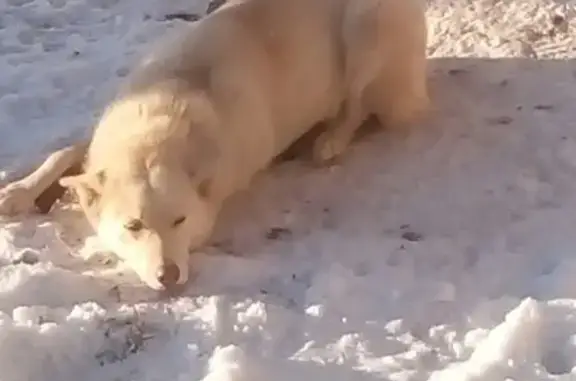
442,253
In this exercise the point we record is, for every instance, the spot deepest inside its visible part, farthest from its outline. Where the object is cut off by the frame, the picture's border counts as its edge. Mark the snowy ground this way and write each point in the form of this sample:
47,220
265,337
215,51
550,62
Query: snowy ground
444,253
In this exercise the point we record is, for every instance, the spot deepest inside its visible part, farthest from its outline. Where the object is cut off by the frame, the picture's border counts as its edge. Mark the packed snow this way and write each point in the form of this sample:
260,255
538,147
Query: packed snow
444,252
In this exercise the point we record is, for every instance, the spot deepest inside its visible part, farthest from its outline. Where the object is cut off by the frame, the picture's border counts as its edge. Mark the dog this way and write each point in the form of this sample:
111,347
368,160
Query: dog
214,104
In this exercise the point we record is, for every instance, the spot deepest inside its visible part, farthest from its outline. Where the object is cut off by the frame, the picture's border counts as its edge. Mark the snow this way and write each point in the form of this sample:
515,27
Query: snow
441,253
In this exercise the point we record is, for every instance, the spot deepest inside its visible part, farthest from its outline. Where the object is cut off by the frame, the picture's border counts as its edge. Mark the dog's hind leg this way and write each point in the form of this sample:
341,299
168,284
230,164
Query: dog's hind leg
362,64
40,189
399,95
385,70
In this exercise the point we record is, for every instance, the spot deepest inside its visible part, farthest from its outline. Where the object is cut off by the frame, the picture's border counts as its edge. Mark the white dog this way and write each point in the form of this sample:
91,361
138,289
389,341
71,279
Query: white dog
208,109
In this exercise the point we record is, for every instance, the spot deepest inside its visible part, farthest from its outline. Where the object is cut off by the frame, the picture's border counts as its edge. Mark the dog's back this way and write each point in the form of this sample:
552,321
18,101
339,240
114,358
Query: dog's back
274,64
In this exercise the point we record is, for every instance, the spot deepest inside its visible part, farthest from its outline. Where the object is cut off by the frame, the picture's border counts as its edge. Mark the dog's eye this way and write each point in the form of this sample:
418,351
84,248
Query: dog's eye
178,221
134,225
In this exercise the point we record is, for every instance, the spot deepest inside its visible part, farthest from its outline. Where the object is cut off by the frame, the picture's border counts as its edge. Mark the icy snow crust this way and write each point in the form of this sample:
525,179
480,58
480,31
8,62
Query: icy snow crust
444,253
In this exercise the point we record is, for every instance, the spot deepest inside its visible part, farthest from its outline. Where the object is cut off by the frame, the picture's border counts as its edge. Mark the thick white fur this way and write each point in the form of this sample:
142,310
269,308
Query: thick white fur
211,107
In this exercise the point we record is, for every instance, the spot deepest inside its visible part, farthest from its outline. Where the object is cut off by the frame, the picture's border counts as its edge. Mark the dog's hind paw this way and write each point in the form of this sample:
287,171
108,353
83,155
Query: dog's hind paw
328,148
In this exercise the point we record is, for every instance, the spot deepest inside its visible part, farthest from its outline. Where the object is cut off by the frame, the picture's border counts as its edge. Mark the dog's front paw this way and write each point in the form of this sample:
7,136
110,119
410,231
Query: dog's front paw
16,199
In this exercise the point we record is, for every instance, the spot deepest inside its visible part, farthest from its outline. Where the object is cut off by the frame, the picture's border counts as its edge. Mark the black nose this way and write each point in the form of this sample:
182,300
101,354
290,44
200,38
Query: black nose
168,275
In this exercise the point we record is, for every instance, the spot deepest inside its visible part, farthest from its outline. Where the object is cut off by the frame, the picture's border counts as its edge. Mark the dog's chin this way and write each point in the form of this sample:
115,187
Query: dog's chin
171,292
184,271
162,293
153,284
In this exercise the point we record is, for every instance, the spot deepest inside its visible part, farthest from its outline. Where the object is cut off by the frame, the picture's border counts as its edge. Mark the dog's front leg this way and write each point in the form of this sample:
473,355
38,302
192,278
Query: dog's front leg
40,189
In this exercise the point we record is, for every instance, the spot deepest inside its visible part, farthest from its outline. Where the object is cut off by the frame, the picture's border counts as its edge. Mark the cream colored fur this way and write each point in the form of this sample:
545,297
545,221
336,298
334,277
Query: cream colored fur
212,106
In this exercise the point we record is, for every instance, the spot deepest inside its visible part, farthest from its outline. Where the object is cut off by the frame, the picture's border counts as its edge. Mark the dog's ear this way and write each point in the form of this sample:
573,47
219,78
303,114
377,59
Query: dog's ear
86,186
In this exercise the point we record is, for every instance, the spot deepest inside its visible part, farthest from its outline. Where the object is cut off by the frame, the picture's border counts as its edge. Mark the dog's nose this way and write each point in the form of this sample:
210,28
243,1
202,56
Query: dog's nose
168,275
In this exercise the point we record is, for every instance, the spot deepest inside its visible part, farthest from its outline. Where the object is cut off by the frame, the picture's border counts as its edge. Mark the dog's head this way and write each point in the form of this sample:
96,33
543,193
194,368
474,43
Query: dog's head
149,222
147,189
